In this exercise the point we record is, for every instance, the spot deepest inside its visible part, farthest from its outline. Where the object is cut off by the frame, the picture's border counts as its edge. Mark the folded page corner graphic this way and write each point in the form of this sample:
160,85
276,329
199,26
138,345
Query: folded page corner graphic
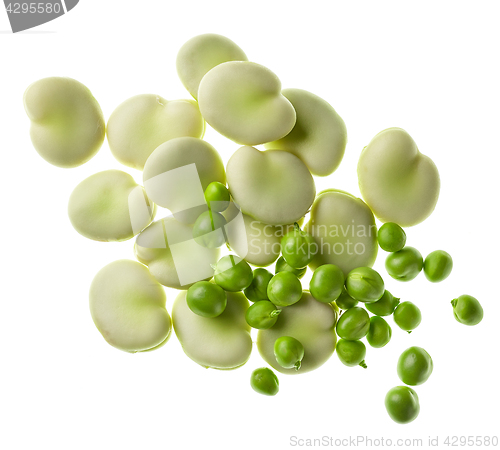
23,16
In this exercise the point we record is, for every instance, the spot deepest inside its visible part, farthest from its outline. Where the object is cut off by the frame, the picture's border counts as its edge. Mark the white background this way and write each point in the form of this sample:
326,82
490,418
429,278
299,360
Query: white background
429,67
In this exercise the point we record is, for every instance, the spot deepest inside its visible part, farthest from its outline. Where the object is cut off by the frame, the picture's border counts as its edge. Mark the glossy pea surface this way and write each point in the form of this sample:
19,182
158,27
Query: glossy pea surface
407,316
298,248
206,299
351,353
385,306
208,230
283,266
233,273
402,404
467,310
404,265
327,283
391,237
262,315
379,333
264,381
217,196
414,366
345,301
438,266
365,284
258,287
353,324
284,289
289,352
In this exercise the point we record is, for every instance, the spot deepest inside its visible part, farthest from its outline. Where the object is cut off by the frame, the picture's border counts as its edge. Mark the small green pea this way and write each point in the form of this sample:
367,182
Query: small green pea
414,366
298,247
258,287
233,273
289,352
217,196
391,237
262,315
351,353
264,381
208,230
283,266
353,324
467,310
385,306
284,289
438,266
345,301
407,316
405,264
206,299
327,283
379,333
402,404
365,284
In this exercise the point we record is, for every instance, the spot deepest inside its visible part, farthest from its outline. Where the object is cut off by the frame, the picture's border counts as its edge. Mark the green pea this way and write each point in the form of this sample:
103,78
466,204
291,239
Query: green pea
391,237
258,287
404,265
262,315
233,273
438,266
298,247
379,333
217,196
264,381
414,366
407,316
208,230
351,353
283,266
385,306
353,324
345,301
365,285
284,289
206,299
327,283
288,352
402,404
467,310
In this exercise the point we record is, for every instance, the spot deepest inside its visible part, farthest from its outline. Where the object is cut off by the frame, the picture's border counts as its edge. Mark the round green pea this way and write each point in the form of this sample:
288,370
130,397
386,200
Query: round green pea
288,352
353,324
405,264
402,404
264,381
438,266
391,237
379,333
345,301
385,306
283,266
407,316
351,353
365,284
258,287
233,273
327,283
208,230
206,299
284,289
298,247
217,196
467,310
262,315
414,366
